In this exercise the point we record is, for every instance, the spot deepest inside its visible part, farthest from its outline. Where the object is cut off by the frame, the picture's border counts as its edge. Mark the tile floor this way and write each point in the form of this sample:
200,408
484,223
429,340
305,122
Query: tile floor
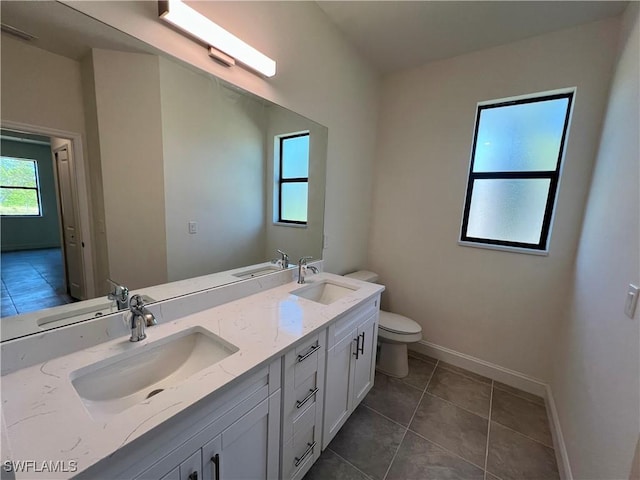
32,280
441,422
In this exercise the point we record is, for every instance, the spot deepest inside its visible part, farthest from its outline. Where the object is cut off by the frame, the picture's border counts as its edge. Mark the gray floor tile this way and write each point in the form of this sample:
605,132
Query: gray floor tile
515,457
519,393
330,465
420,459
461,390
491,476
393,398
457,430
522,416
368,441
420,371
464,372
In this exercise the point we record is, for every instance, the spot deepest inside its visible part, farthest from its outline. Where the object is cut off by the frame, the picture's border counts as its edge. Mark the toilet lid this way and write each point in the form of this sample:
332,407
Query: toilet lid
395,323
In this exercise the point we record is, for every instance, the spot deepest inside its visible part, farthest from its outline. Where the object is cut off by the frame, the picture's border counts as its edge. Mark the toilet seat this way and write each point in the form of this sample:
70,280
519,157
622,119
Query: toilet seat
392,322
395,328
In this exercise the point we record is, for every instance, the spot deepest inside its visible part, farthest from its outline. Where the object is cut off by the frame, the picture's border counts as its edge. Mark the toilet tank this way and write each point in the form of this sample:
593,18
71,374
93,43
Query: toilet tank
364,275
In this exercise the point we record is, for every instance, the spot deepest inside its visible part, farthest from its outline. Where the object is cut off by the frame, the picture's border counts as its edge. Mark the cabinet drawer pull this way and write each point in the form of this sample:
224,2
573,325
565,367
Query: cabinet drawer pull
193,476
216,464
305,454
357,340
312,392
361,349
312,350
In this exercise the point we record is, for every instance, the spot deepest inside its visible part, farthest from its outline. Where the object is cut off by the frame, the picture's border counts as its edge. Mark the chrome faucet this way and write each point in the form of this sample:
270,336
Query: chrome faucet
284,259
120,294
302,266
140,317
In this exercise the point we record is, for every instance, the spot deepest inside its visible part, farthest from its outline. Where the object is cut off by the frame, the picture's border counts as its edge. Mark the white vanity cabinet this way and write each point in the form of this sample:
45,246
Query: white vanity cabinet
303,383
234,435
351,356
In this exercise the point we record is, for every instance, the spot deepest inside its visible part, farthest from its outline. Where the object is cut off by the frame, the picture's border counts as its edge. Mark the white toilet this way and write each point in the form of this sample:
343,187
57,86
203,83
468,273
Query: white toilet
394,333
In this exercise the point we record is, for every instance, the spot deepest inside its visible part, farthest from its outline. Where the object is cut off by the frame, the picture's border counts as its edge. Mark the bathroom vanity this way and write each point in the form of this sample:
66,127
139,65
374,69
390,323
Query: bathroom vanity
248,380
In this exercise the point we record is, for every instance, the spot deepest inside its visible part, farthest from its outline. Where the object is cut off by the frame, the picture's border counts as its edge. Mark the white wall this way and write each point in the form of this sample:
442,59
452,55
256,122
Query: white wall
40,88
319,76
596,379
296,241
127,99
214,169
500,307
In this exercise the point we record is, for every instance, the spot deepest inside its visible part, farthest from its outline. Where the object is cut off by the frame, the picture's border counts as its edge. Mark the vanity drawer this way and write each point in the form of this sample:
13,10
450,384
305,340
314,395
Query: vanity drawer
307,356
301,451
303,382
347,324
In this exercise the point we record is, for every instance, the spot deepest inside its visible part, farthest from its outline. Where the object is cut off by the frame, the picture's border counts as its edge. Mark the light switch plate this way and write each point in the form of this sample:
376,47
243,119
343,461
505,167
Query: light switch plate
631,301
193,227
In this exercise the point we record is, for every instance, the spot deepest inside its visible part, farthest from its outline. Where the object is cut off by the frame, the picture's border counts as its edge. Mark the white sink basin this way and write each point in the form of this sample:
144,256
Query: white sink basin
76,312
257,272
115,384
324,292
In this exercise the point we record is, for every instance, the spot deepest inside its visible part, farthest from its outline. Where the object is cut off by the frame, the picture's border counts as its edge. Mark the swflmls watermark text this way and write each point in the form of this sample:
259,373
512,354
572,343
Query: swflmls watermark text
40,466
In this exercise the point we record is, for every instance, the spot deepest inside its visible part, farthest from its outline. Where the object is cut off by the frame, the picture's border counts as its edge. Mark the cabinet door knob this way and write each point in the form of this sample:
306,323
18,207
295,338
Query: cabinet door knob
357,340
193,476
216,466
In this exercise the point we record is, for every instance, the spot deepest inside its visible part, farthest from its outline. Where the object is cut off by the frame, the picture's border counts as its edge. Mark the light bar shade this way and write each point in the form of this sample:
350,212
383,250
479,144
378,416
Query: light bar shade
197,25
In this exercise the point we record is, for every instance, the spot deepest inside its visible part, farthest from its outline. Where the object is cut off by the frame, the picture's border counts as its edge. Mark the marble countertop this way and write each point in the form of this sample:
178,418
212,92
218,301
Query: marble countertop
44,418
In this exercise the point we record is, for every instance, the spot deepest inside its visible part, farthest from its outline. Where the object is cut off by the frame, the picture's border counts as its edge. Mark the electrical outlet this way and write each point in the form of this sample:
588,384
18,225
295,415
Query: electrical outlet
325,242
193,227
631,301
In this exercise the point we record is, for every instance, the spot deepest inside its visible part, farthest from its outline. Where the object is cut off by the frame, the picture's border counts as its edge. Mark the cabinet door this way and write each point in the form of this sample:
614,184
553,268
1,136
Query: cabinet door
365,367
338,397
246,449
191,468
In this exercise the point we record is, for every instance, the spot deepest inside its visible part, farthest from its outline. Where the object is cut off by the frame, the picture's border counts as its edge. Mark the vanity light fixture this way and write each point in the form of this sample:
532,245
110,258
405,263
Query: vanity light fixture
223,46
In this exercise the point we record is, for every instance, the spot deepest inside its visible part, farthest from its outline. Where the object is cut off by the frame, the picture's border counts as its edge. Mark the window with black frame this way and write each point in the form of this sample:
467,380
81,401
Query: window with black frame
293,179
19,189
516,160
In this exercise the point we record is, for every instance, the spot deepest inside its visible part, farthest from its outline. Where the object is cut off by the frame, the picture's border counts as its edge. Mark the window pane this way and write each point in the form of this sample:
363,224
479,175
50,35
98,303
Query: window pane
523,137
15,172
295,157
508,210
294,202
18,202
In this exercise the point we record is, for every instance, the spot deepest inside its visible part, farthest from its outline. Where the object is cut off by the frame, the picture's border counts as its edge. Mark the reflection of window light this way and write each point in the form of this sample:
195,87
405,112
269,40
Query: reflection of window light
293,179
516,157
19,189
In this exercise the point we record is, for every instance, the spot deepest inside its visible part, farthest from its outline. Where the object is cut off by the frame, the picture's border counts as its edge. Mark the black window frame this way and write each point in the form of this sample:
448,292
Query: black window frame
36,188
282,180
552,175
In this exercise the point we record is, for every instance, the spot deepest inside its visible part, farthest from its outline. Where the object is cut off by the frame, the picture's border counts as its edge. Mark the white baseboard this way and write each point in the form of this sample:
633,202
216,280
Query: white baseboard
511,378
560,448
482,367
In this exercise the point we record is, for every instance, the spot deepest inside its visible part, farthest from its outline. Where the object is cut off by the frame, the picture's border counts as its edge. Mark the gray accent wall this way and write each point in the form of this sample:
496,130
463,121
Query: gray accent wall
24,233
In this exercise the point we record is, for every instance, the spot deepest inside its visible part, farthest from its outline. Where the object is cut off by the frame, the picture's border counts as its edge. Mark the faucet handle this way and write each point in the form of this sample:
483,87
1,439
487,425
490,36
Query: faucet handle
120,292
303,260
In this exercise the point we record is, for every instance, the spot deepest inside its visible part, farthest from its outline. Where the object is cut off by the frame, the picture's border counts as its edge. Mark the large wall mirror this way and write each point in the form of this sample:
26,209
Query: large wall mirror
120,162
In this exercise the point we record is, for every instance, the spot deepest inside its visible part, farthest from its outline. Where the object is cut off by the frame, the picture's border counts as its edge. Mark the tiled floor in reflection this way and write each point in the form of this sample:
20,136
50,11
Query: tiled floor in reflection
32,280
441,422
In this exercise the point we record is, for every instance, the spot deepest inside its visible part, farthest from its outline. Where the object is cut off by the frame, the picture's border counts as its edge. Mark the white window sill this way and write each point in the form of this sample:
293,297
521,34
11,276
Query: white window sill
294,225
488,246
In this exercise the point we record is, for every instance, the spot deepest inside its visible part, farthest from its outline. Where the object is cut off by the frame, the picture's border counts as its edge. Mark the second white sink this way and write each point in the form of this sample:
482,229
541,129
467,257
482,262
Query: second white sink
116,384
324,292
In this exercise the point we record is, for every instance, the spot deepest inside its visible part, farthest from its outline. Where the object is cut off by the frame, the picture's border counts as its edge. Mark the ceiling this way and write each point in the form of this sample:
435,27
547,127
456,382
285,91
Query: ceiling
395,35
